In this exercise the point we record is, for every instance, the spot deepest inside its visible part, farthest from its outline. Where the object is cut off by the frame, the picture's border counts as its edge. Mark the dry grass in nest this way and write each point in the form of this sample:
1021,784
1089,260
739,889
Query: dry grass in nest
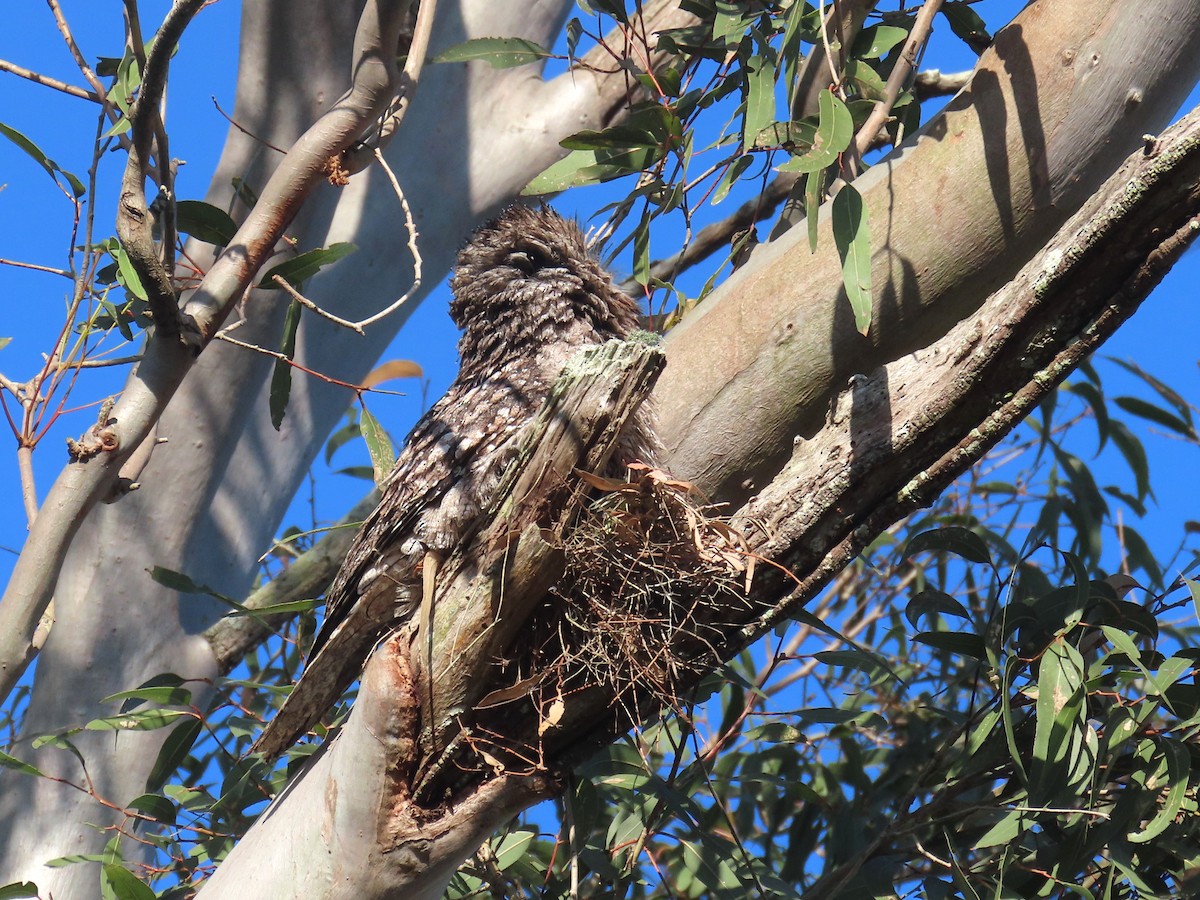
651,576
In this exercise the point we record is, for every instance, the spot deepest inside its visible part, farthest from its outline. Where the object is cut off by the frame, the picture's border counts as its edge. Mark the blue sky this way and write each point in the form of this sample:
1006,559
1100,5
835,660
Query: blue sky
32,229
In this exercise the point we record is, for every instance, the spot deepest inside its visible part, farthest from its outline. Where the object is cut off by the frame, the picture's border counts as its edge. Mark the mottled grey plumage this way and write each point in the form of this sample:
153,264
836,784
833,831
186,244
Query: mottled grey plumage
528,296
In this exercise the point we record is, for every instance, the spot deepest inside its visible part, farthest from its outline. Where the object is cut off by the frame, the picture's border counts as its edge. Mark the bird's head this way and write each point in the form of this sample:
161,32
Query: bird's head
528,274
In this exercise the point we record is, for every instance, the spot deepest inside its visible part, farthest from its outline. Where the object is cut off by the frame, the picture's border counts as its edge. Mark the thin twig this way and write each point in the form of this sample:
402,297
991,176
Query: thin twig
99,363
24,265
283,357
232,121
900,72
411,227
47,81
65,30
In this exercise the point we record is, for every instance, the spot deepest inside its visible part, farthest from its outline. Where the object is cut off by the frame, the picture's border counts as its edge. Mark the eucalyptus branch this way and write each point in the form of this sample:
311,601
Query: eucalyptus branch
47,81
134,225
85,482
360,157
935,83
65,30
900,73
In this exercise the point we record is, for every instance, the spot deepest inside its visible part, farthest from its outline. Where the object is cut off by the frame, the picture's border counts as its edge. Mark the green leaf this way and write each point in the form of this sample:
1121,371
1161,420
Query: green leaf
1060,719
173,752
1157,415
299,269
835,129
177,581
866,79
877,40
931,603
379,445
205,222
952,539
1178,769
574,33
814,184
143,720
500,53
970,645
11,762
795,137
776,733
733,172
51,167
18,890
967,24
123,884
513,847
126,274
852,235
580,167
281,377
760,96
164,695
156,807
618,137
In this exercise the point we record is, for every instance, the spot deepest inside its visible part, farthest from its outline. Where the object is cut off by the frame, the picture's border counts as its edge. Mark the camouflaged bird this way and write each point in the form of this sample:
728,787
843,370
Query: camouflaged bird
528,296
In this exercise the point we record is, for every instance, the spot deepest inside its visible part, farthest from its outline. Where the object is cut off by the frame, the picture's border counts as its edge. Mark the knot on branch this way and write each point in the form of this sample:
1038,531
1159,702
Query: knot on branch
100,438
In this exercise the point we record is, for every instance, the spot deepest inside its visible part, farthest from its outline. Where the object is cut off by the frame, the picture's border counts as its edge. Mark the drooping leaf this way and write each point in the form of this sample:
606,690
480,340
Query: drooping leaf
127,275
52,168
760,95
123,884
299,269
1159,416
952,539
852,235
814,185
835,130
281,377
500,53
173,752
379,446
733,172
967,24
205,222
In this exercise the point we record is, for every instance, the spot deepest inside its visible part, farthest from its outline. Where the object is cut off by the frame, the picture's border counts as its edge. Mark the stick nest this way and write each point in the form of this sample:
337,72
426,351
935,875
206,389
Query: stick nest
646,599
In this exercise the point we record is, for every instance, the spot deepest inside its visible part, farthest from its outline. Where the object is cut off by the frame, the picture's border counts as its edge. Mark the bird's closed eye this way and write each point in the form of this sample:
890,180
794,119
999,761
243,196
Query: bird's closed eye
525,262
